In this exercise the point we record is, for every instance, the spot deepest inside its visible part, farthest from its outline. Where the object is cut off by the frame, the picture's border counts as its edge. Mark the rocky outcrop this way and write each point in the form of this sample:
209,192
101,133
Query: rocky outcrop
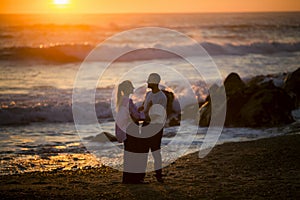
233,84
257,104
173,109
268,106
292,86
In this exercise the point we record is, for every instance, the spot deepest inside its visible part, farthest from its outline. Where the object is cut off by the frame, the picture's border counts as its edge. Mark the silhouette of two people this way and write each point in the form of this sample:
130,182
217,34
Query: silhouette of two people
139,140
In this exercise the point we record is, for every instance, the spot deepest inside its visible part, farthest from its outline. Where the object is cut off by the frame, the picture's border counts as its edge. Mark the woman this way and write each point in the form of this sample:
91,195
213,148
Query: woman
127,131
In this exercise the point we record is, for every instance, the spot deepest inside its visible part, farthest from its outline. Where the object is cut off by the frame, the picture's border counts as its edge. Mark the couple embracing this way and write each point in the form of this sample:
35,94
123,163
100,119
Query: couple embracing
139,140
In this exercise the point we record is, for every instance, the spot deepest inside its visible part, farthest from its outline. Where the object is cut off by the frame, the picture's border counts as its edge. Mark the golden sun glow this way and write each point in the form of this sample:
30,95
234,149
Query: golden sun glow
140,6
61,2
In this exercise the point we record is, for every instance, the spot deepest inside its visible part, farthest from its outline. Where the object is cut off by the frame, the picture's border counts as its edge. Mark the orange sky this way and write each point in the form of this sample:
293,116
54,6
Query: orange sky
148,6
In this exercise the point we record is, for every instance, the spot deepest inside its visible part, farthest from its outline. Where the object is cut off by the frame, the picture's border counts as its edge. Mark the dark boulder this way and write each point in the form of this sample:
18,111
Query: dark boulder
205,114
217,105
292,86
268,106
254,105
234,87
170,99
173,109
233,83
235,103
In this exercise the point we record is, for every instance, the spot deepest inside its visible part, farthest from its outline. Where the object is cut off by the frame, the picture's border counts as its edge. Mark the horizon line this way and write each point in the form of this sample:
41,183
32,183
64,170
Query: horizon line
119,13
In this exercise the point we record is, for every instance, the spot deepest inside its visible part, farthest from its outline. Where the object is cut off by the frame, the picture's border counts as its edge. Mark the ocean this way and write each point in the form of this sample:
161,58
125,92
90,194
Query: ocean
41,55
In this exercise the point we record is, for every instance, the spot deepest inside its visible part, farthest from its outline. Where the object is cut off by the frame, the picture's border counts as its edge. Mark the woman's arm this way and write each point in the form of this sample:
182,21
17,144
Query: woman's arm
134,113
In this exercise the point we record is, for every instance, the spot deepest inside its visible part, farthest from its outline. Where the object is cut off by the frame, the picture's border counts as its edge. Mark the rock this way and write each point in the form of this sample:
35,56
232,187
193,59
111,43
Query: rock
255,105
277,79
173,109
205,114
234,87
233,83
170,99
218,103
111,137
102,137
266,107
292,86
234,104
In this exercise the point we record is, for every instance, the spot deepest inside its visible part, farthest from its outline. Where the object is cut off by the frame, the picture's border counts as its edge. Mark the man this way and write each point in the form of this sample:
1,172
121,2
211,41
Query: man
155,111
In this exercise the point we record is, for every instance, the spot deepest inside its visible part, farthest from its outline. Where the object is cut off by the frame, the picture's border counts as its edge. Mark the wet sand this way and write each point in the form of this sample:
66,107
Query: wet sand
262,169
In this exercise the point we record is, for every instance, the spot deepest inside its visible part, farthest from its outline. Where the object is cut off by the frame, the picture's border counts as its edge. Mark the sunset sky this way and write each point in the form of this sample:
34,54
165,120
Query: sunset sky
143,6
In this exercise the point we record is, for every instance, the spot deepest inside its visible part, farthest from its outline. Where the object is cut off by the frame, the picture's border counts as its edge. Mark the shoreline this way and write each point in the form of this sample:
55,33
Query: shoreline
264,168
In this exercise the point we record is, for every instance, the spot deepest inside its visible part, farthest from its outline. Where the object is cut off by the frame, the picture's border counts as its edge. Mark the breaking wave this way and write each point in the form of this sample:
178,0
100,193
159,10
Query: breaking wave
77,53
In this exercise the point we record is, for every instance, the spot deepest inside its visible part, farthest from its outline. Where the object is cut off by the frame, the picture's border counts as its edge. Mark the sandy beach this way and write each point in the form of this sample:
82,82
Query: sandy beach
262,169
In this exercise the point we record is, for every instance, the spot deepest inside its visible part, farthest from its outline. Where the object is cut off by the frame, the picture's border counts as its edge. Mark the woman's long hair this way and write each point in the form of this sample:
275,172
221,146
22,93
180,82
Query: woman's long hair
123,89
